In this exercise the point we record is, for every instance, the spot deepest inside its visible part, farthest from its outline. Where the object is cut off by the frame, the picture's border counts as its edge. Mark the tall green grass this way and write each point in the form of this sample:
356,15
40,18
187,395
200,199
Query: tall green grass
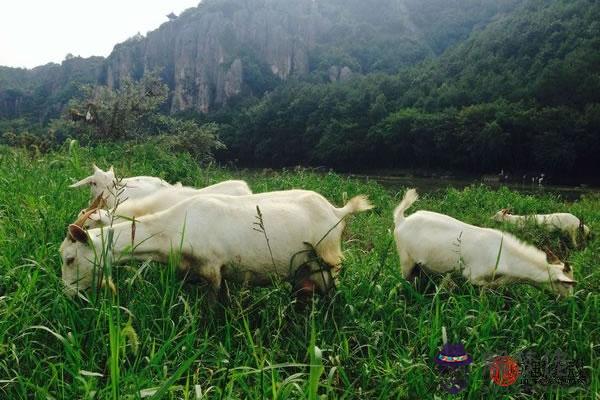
374,338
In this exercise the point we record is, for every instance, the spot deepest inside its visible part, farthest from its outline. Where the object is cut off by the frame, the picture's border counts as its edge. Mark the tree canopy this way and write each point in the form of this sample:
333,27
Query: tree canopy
521,94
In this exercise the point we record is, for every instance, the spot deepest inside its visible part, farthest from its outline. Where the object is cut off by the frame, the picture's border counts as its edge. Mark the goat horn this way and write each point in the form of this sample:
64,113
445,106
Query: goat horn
84,217
82,182
98,202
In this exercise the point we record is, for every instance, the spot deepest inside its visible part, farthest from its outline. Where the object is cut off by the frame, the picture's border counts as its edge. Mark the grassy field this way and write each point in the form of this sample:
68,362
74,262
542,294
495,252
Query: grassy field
374,338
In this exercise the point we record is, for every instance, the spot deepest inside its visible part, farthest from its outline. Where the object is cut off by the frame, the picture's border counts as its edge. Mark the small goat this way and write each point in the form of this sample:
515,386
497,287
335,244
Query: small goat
249,239
440,244
161,200
563,222
106,184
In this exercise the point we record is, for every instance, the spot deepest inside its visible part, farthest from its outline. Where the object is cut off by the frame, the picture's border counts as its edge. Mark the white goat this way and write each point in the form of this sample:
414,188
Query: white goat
218,237
160,200
440,244
563,222
106,184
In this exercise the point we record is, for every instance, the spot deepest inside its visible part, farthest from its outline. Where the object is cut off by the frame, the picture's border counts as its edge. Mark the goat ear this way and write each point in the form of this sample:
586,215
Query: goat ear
566,280
551,257
77,233
111,169
82,182
96,169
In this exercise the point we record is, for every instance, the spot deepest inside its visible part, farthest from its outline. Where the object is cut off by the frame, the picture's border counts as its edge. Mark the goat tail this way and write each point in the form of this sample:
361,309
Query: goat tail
409,198
355,205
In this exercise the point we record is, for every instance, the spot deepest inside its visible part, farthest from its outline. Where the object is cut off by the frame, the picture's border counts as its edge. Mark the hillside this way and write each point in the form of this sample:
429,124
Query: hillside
226,50
40,93
473,85
547,51
520,94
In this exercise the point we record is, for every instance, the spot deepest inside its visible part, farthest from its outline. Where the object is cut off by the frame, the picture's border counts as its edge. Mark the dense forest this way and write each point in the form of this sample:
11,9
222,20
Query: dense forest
39,94
462,85
521,94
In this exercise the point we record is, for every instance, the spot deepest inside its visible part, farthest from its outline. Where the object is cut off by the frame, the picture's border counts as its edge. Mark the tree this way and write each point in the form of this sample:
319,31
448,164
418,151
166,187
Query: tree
187,136
132,112
103,113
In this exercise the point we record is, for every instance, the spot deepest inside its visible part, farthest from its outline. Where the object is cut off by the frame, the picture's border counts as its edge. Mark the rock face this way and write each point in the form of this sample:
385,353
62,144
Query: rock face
207,53
224,50
339,74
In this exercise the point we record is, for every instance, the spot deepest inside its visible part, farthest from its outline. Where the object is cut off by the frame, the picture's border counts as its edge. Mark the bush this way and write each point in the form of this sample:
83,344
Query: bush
189,137
123,113
29,141
131,113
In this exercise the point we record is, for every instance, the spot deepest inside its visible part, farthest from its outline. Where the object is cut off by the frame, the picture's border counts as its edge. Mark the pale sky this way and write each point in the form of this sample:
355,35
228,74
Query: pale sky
36,32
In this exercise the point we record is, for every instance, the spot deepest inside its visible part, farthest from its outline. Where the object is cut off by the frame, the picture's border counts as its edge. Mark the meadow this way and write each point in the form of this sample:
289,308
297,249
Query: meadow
373,338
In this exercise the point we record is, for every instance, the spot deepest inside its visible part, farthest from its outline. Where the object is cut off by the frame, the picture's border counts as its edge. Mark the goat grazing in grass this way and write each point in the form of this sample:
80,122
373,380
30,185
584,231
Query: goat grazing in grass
160,200
218,237
441,244
563,222
106,184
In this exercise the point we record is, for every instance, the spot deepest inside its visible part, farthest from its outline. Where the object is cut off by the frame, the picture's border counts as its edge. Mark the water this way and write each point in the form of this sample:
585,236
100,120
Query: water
432,184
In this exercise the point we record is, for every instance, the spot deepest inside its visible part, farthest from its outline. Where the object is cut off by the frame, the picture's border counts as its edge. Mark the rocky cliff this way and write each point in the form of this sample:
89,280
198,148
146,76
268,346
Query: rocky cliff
207,54
224,50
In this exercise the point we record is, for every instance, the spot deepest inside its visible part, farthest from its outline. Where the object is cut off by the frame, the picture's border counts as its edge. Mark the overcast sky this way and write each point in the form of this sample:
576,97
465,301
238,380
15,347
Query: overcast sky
36,32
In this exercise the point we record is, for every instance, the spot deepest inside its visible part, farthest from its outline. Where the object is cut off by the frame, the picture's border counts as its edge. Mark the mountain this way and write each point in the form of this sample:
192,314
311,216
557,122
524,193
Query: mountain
521,93
473,85
547,51
40,93
224,51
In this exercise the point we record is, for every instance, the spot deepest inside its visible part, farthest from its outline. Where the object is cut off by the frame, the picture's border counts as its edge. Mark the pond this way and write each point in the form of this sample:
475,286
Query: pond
432,184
